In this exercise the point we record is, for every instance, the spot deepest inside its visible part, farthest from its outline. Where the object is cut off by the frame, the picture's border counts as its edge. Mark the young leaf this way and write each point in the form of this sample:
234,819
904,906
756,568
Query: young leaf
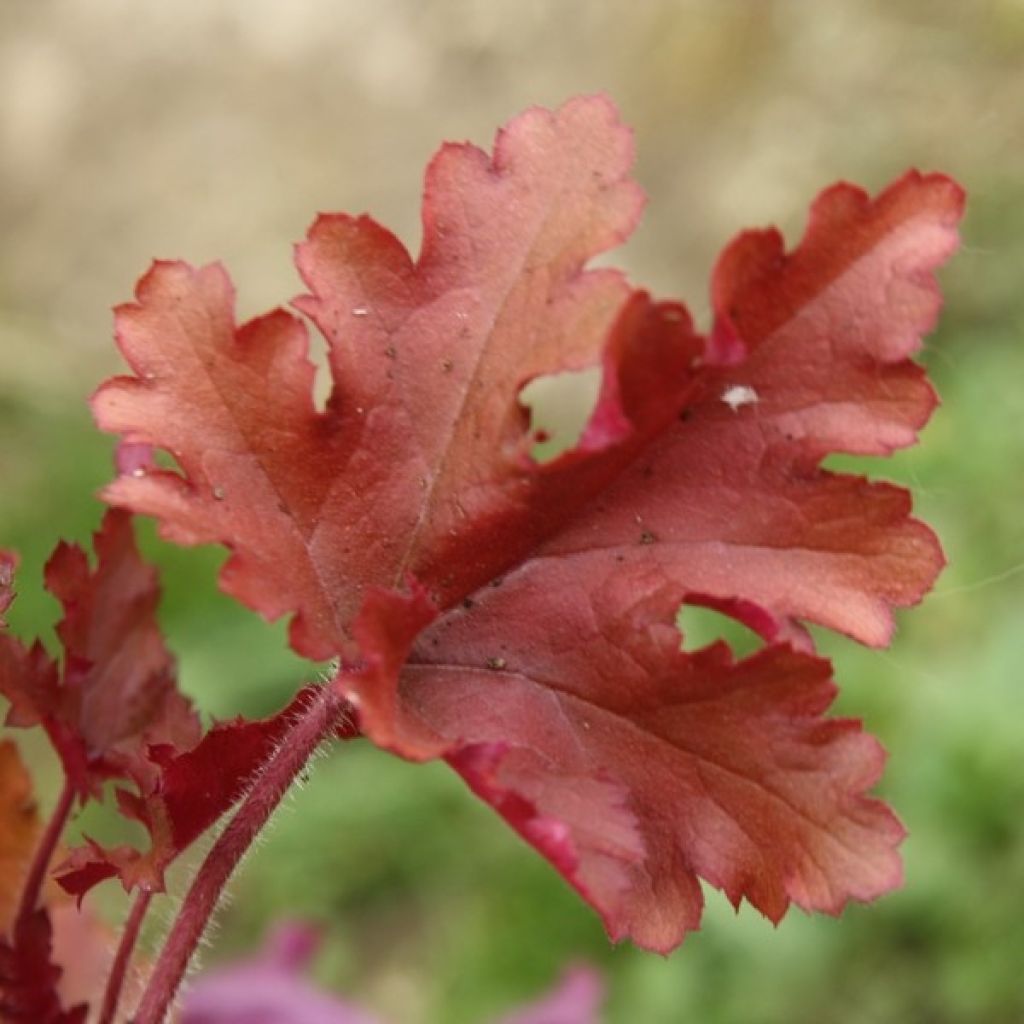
537,626
181,793
114,692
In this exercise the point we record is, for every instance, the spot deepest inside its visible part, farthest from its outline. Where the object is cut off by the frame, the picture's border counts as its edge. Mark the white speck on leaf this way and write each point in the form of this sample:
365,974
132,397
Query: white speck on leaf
360,311
739,395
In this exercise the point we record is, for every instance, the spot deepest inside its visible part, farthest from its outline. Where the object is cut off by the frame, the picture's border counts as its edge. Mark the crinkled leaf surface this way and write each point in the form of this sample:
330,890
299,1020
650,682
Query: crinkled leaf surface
518,619
114,692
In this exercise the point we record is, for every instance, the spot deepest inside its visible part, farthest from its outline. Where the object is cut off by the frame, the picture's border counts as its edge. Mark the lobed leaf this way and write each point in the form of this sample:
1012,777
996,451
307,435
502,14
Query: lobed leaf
181,793
637,768
420,462
518,619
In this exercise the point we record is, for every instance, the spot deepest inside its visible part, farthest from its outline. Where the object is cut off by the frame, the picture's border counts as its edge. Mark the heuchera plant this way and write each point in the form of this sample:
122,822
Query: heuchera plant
516,618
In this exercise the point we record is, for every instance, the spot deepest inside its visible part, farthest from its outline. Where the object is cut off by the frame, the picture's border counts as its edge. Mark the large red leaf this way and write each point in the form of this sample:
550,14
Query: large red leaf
552,677
114,692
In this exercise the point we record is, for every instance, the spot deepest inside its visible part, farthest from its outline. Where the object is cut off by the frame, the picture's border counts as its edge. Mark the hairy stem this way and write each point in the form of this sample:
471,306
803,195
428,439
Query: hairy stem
43,855
125,948
313,725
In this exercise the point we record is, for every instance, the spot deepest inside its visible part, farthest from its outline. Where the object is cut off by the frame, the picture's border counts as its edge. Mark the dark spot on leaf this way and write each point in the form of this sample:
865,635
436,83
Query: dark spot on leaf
390,352
647,537
496,664
467,603
686,415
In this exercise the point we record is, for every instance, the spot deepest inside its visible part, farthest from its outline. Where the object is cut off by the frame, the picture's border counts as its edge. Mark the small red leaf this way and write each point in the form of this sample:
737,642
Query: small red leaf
181,794
115,691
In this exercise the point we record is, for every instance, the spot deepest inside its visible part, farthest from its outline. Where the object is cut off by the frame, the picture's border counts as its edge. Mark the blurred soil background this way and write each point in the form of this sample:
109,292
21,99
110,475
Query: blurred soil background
132,129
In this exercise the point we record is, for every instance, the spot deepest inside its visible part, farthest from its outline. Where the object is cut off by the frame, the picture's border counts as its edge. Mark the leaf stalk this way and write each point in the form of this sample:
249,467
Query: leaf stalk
43,855
313,725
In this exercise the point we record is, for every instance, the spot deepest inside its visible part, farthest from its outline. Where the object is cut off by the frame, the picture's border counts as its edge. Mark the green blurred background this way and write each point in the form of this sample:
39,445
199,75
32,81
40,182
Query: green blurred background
215,130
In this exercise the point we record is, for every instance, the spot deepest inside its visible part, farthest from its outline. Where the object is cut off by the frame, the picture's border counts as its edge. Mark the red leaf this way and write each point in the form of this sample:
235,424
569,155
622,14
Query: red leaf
552,678
181,794
115,691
